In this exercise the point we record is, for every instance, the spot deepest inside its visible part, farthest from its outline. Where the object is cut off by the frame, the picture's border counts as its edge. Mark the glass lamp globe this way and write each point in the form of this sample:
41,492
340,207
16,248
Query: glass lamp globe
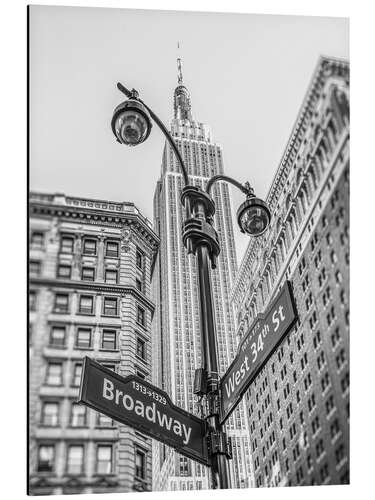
131,123
253,216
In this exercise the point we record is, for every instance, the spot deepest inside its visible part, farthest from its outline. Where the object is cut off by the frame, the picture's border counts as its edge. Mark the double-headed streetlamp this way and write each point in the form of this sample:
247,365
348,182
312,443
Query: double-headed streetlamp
131,125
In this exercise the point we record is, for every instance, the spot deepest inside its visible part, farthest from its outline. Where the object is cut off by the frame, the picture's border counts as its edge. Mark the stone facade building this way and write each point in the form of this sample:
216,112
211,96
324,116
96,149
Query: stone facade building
176,328
89,295
298,406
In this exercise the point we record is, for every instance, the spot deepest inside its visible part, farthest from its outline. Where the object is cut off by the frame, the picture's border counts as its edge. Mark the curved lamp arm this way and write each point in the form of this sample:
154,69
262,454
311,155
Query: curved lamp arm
245,188
133,94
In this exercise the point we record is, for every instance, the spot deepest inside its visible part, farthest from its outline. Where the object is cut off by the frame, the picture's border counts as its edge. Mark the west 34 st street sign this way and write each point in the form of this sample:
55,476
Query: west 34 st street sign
256,347
135,402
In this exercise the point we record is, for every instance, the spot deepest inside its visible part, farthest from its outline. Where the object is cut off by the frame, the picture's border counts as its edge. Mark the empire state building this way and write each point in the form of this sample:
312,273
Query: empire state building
176,330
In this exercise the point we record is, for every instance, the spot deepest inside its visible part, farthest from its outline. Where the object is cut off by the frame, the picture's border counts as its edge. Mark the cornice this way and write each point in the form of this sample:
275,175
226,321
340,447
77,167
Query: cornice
327,67
97,287
96,217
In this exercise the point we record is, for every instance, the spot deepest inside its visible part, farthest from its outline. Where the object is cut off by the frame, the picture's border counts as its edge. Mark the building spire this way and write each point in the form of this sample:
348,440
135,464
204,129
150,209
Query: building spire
179,66
182,105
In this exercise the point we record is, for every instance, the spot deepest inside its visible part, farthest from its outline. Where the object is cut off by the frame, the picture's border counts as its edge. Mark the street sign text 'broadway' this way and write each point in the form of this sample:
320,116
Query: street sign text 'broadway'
135,402
256,347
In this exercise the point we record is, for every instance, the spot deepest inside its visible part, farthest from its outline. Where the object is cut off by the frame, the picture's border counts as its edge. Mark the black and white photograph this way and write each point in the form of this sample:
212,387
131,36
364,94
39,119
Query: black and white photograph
188,250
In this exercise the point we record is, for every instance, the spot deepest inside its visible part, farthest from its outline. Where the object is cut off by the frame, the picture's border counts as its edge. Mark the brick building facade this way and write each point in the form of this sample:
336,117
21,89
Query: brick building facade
298,406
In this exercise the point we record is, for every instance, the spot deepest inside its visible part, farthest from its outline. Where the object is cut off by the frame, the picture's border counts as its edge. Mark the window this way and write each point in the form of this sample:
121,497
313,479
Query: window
335,338
67,244
78,415
104,459
89,246
139,259
86,304
335,429
32,300
140,316
184,466
110,366
140,374
57,336
111,276
340,359
76,378
110,306
61,303
325,382
50,413
109,338
46,458
34,268
104,421
140,464
345,382
88,274
138,284
141,351
324,472
54,373
83,339
64,271
75,459
111,249
37,239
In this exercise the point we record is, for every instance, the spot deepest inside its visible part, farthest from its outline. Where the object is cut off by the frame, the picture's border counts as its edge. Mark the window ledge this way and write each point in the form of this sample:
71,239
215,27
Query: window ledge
144,361
104,474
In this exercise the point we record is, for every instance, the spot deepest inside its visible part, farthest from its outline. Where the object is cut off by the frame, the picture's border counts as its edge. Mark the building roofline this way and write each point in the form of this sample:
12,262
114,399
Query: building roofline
322,63
105,208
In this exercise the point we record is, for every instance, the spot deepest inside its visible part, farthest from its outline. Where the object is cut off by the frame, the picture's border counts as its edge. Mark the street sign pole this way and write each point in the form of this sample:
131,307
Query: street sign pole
218,445
200,238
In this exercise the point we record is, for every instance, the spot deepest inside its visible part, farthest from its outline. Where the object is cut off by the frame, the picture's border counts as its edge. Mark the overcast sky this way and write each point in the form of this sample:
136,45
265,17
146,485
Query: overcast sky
247,76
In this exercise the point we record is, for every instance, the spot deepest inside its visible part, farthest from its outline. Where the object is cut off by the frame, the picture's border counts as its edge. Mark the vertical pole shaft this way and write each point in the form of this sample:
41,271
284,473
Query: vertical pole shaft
210,358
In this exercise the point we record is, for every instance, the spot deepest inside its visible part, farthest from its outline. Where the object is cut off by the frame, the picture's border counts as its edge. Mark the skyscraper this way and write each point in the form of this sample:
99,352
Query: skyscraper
176,334
298,405
89,295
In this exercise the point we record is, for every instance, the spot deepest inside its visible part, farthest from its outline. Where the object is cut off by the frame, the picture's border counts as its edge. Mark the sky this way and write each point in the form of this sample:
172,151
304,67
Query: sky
247,76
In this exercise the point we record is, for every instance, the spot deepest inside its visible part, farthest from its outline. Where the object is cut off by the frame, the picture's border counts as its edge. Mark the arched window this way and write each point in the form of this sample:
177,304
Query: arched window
303,202
312,179
299,177
333,131
274,263
292,225
288,202
281,248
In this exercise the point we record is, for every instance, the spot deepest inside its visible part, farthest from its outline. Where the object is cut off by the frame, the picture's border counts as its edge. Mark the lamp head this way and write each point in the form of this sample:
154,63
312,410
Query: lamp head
253,216
131,123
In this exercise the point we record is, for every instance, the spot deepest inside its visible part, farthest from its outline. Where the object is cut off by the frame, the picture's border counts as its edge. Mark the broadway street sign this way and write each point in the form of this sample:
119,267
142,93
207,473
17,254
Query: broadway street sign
133,401
256,347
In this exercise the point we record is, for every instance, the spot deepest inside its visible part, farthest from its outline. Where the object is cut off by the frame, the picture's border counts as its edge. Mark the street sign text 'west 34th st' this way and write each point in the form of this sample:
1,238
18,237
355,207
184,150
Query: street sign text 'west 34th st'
256,347
135,402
